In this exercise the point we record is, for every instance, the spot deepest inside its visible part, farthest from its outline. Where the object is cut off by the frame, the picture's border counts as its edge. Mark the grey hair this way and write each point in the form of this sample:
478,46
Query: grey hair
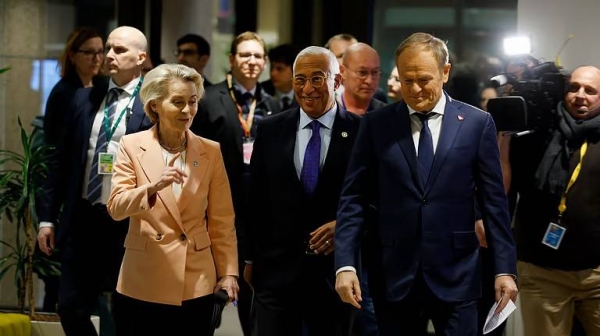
158,80
334,66
428,43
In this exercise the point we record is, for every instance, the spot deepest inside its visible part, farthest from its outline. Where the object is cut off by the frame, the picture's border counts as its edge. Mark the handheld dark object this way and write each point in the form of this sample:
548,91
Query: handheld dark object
221,298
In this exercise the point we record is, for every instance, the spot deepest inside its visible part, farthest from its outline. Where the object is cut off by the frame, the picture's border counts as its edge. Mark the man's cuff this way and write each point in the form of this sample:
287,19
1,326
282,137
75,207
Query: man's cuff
46,224
507,274
345,269
248,262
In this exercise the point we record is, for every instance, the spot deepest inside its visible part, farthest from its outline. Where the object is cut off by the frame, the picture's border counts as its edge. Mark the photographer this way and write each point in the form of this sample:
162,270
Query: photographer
557,219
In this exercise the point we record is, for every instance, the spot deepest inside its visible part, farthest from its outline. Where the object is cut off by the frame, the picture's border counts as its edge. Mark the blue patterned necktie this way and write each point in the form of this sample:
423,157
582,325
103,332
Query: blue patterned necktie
94,191
312,159
425,154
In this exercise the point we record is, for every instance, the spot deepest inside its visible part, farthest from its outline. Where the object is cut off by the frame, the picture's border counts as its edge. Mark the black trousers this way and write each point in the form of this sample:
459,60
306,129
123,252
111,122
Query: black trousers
244,302
309,307
141,318
90,263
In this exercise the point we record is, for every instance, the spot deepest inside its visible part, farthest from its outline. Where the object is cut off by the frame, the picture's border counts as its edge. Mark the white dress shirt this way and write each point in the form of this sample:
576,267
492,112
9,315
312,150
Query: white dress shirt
304,133
242,89
280,95
179,163
434,122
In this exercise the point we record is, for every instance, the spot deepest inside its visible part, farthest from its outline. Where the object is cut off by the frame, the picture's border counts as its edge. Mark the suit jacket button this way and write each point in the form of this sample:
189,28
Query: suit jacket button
159,236
424,202
182,237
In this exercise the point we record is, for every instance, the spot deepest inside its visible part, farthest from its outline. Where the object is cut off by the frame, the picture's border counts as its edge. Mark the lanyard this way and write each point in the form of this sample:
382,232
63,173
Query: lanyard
111,131
563,200
246,123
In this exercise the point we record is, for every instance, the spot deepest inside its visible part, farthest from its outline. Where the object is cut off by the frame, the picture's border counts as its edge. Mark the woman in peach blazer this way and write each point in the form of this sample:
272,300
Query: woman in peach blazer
172,184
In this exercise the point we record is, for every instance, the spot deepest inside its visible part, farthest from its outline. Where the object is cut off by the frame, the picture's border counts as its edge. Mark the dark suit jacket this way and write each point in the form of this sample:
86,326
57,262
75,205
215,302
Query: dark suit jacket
279,232
64,184
217,120
428,227
59,104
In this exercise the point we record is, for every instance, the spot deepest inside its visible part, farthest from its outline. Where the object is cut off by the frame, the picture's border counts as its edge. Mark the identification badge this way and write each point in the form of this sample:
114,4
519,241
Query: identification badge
248,146
105,163
554,235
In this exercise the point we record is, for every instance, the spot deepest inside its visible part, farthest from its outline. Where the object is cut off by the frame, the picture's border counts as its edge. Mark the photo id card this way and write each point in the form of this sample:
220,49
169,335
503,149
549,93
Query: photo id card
248,147
105,163
554,235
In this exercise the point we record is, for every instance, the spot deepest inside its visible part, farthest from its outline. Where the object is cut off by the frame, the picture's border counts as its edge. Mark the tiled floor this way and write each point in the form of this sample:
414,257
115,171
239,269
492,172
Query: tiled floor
230,324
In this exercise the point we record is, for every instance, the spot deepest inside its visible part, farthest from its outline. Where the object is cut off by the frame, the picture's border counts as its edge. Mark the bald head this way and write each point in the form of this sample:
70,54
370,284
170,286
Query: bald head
583,97
359,50
133,35
361,72
125,54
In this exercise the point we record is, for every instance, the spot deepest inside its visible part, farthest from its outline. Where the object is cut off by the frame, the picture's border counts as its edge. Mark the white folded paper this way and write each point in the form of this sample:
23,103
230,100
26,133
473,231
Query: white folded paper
494,320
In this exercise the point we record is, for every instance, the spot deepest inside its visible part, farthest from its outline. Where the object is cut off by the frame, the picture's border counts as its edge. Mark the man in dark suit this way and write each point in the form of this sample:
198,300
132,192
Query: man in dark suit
414,172
194,51
297,169
281,59
79,179
229,114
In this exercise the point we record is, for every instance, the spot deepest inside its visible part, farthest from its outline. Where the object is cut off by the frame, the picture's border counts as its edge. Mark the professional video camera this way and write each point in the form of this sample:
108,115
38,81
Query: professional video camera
531,105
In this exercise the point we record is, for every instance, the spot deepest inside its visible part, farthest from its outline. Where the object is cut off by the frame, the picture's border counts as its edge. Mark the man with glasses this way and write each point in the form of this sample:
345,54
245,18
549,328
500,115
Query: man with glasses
79,182
194,51
360,72
297,170
229,114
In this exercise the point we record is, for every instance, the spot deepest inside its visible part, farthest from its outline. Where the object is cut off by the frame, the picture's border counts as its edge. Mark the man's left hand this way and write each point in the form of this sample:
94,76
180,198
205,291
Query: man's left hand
321,240
506,288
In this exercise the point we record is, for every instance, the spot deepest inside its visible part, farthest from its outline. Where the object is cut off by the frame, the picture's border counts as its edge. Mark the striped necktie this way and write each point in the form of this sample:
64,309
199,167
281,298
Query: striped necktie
94,193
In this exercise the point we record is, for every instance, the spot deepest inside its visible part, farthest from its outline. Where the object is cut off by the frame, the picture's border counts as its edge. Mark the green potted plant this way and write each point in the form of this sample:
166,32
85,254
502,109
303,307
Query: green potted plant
21,179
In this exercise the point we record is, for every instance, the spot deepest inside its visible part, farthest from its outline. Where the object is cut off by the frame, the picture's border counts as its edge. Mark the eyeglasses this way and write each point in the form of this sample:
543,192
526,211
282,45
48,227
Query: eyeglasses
315,81
184,52
91,53
363,74
247,55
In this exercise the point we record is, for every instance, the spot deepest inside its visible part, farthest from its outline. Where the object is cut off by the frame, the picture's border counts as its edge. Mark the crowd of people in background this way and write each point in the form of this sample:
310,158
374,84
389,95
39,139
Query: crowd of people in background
323,201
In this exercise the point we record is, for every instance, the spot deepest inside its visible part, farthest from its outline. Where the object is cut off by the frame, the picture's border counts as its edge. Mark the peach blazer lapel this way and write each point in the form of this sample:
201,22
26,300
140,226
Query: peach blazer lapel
152,163
196,165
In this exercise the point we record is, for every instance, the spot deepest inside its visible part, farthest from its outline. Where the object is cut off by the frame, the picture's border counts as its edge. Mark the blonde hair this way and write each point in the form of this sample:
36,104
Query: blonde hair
158,80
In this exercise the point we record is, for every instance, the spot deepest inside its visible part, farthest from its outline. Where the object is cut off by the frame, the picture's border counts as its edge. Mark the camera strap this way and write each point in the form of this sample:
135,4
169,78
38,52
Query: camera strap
562,207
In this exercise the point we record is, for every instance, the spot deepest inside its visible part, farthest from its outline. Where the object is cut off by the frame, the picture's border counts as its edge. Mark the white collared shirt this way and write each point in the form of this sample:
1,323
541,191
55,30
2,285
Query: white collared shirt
304,133
242,89
434,122
280,95
124,102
